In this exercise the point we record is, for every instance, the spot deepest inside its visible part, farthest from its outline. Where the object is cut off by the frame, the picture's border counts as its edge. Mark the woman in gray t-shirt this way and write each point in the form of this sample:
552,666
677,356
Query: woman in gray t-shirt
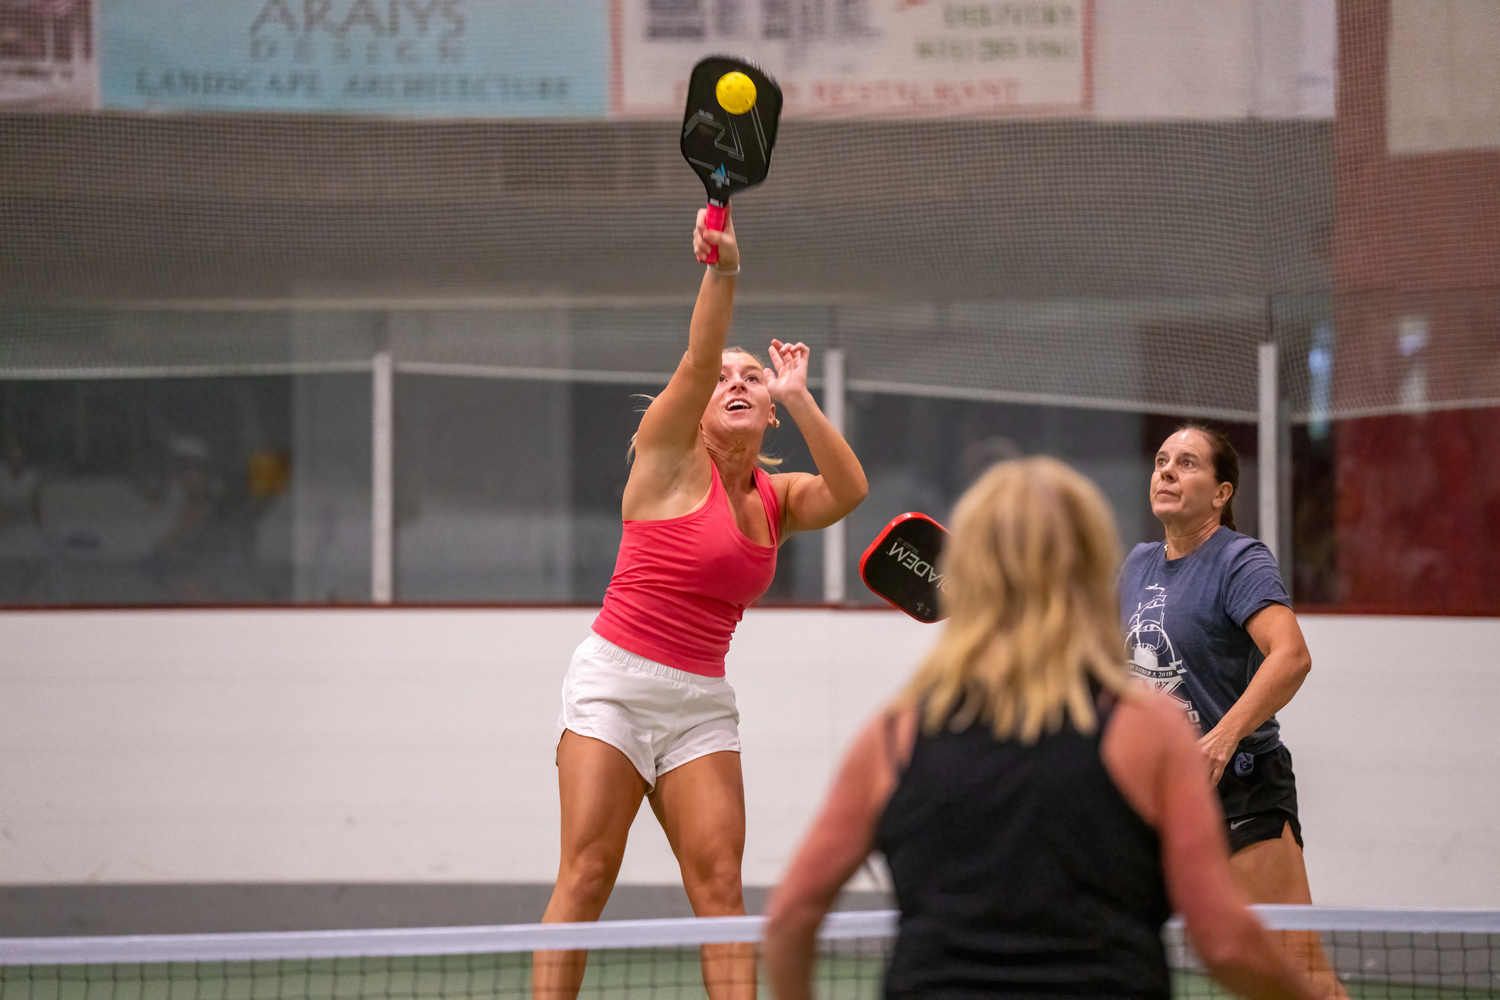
1210,624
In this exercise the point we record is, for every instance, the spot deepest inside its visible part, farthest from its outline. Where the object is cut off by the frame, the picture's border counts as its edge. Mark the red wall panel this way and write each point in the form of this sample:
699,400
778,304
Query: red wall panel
1418,239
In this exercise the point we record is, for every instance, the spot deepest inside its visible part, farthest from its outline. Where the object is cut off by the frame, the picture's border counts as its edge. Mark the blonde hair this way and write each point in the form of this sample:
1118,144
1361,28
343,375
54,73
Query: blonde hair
762,457
1033,615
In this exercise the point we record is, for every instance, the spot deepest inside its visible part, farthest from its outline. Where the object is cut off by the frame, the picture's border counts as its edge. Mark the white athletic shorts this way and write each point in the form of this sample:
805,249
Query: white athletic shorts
657,716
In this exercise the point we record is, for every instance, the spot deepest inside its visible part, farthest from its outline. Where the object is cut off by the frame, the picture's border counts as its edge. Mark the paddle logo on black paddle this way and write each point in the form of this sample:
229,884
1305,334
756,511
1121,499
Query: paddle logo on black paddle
901,566
728,130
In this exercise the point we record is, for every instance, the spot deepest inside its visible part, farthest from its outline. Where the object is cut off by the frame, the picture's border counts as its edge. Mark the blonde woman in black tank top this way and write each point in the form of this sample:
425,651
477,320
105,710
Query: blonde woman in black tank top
1041,815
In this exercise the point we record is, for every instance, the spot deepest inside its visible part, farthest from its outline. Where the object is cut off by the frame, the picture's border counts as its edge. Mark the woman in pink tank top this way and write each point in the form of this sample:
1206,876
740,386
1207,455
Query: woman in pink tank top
702,524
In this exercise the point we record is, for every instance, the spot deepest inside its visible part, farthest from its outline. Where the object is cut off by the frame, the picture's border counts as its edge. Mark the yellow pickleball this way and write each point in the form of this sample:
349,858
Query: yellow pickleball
736,92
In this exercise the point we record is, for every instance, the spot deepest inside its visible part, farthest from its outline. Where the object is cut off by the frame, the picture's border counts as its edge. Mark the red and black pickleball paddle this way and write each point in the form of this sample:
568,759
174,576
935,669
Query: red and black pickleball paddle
901,566
728,130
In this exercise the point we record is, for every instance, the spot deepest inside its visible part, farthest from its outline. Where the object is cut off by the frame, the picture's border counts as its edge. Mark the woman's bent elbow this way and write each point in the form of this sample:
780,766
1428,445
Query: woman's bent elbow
856,491
841,503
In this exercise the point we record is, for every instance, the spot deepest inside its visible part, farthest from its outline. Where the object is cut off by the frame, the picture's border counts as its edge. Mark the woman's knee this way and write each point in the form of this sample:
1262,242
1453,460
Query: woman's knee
715,877
589,875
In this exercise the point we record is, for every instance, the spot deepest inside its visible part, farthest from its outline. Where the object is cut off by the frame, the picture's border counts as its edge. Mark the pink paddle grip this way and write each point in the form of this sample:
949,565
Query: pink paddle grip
714,219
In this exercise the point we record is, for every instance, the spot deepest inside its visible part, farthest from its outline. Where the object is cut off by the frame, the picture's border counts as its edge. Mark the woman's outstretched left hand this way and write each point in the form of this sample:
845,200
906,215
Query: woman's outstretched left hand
790,375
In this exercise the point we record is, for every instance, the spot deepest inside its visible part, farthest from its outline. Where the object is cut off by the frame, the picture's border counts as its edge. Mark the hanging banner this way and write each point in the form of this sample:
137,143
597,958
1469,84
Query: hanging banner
47,56
863,58
449,58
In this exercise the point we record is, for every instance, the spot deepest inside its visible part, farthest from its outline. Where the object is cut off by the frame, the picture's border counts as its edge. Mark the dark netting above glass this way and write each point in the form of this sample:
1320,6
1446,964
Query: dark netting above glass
1116,265
91,343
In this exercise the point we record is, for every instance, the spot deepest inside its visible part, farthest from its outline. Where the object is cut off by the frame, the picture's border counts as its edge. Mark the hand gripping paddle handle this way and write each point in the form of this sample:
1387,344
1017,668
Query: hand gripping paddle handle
714,219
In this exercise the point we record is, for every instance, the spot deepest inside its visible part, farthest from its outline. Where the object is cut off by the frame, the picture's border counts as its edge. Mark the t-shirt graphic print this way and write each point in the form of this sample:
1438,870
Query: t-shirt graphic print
1149,652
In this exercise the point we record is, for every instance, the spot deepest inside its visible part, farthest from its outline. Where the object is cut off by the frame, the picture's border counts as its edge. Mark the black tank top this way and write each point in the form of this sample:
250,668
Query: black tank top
1021,871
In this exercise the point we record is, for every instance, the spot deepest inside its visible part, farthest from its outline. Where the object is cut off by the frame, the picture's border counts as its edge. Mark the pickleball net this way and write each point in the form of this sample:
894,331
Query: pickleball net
1409,954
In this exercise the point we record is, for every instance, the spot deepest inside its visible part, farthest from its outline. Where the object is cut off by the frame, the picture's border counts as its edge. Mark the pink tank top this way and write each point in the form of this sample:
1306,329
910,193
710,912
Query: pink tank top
681,584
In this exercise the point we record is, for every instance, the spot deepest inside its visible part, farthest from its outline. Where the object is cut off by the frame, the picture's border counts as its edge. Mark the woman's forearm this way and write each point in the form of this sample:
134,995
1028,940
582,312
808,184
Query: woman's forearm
837,464
790,951
1269,690
712,315
1240,954
1275,682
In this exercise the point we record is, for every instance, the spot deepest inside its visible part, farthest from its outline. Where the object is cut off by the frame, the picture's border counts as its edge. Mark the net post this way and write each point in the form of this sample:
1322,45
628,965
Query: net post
382,479
1268,441
834,536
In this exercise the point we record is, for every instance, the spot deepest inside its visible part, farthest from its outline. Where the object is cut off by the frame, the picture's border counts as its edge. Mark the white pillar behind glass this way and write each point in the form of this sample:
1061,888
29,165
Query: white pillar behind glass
382,481
834,590
1268,462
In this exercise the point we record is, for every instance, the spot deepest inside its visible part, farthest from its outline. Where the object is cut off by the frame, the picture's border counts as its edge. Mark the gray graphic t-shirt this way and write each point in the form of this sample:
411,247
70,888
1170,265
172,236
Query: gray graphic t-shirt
1185,624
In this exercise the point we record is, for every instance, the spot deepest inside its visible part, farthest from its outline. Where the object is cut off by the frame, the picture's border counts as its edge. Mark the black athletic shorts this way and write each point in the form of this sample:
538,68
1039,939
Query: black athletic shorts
1259,795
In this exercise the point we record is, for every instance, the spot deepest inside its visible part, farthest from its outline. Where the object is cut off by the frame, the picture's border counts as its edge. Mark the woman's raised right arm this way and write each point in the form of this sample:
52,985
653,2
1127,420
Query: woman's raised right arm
671,421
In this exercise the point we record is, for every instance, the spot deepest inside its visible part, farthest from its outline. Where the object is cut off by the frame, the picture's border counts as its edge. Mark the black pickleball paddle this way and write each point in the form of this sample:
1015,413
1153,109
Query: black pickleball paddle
728,130
901,566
